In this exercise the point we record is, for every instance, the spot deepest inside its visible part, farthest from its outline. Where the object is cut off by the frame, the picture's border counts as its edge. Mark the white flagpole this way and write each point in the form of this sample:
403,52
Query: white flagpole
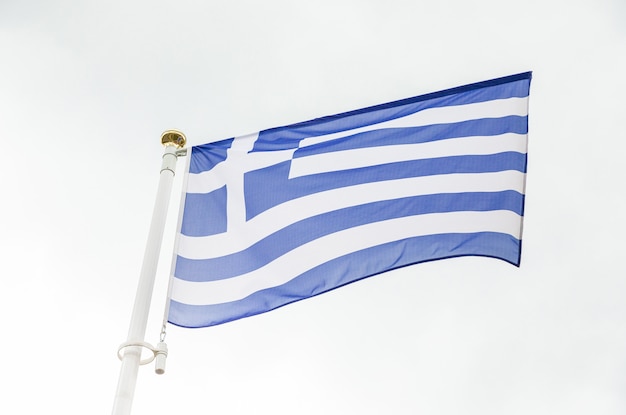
173,141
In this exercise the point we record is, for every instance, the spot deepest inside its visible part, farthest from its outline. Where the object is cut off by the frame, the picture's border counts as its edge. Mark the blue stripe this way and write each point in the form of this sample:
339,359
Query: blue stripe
204,157
350,268
268,187
289,136
309,229
413,135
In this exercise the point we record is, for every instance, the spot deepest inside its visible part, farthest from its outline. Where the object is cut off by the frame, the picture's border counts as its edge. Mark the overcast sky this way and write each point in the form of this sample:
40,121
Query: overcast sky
87,88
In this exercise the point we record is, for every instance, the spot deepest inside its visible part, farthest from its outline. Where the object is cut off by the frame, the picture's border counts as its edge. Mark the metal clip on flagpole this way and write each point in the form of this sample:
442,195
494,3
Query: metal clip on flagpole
174,142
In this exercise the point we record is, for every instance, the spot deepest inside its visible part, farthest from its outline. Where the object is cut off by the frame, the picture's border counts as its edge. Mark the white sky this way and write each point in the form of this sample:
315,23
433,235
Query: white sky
86,88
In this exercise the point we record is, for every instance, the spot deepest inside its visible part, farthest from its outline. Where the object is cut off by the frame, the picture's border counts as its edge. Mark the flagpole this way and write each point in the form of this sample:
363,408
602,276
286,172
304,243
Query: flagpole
173,141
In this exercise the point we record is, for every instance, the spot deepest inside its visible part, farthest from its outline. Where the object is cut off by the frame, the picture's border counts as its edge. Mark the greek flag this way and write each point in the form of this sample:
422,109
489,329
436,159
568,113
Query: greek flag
291,212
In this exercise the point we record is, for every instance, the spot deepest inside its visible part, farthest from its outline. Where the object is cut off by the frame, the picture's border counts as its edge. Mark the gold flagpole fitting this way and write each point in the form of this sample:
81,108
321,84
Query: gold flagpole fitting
173,138
174,142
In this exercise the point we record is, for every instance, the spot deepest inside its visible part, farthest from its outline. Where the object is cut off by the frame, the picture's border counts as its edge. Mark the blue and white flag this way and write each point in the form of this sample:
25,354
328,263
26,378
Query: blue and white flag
291,212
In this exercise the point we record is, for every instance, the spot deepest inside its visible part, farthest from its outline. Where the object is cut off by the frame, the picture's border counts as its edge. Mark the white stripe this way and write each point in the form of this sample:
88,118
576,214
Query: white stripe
217,177
280,216
324,249
441,115
372,156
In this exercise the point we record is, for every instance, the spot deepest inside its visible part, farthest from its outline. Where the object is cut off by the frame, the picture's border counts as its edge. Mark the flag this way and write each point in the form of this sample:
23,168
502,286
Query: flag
291,212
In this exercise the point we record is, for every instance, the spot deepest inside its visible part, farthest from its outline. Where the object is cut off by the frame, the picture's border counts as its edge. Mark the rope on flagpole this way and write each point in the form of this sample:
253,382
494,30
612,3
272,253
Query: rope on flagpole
166,310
